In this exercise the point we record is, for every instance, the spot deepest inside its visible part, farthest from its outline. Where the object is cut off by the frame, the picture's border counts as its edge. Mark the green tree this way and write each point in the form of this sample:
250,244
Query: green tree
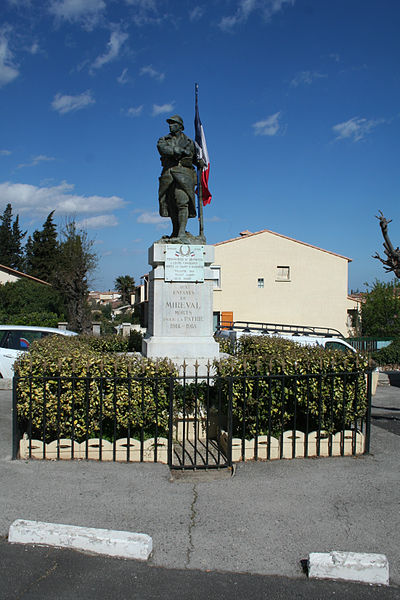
76,261
42,251
125,285
380,313
6,236
26,302
18,259
11,236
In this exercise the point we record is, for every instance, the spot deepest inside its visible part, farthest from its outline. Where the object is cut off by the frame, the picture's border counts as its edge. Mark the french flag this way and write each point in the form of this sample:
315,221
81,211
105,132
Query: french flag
201,148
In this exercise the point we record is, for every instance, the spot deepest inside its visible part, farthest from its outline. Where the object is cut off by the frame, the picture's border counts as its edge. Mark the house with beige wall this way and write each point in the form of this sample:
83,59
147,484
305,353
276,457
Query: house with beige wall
9,275
271,278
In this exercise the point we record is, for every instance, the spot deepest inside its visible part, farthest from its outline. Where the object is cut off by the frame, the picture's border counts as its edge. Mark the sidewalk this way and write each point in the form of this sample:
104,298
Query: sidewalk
263,520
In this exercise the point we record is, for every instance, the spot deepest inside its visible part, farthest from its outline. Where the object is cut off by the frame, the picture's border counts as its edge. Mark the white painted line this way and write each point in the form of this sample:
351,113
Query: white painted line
351,566
123,544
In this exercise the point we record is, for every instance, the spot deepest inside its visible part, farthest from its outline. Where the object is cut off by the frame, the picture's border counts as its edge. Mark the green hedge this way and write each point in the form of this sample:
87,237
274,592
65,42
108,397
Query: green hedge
334,395
133,402
328,401
106,343
37,319
115,343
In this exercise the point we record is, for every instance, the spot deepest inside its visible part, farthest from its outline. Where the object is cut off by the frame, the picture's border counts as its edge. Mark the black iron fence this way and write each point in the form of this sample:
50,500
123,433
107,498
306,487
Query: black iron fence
369,344
191,422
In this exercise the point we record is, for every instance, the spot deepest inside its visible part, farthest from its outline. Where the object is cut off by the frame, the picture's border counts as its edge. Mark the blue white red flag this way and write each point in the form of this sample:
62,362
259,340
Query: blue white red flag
201,149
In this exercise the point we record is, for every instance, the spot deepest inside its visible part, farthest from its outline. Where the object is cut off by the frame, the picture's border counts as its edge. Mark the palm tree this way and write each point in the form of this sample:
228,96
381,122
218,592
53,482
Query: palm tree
125,285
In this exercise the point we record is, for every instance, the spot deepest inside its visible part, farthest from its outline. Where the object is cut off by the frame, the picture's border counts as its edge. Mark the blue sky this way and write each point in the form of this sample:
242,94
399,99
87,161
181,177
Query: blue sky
299,100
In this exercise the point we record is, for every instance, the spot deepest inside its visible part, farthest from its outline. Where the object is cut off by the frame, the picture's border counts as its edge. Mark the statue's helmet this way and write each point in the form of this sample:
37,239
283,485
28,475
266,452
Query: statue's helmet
176,119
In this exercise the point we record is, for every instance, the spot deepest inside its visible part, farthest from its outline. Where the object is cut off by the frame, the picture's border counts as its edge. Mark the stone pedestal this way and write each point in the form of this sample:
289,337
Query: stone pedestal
180,320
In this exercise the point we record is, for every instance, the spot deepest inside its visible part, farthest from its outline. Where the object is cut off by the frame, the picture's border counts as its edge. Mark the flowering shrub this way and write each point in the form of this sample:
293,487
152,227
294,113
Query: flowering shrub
65,388
307,387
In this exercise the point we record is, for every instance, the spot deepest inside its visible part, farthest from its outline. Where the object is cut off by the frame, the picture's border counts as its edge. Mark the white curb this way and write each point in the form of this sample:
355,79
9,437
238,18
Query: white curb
123,544
352,566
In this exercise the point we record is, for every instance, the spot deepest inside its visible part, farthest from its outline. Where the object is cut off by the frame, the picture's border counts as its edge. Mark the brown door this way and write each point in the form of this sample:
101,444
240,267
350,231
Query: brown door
226,319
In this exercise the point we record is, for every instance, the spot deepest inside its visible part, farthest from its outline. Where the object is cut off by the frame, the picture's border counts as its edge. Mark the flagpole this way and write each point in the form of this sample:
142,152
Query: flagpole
200,191
199,187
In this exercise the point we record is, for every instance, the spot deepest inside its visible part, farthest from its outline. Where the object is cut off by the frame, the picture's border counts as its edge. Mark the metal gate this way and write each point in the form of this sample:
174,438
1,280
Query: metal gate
199,426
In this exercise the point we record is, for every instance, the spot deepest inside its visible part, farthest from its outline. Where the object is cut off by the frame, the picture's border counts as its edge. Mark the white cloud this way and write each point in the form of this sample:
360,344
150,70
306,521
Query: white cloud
65,104
117,38
356,128
134,111
160,109
123,78
196,13
245,8
99,222
8,71
269,126
306,78
42,200
5,152
151,218
34,48
213,219
148,70
145,12
36,160
88,12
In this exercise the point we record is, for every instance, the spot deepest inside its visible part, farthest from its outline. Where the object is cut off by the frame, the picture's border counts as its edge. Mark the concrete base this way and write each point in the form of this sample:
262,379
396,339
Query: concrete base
180,325
201,350
350,566
178,348
122,544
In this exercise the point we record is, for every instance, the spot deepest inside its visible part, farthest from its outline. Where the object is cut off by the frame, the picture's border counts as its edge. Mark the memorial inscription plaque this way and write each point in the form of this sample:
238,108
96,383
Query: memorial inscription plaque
184,263
183,314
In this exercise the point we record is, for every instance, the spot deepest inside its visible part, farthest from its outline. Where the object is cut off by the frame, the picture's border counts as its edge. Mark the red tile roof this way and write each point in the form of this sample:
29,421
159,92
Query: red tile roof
20,274
246,234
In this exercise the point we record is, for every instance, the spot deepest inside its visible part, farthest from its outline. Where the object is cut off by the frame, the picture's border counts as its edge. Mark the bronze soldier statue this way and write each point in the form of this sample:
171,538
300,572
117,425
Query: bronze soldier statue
176,192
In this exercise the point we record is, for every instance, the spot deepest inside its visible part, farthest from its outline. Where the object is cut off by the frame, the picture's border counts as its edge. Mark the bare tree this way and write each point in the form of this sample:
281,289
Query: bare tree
392,262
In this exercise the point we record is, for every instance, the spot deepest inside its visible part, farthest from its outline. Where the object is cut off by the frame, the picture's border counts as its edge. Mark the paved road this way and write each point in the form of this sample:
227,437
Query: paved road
48,574
261,522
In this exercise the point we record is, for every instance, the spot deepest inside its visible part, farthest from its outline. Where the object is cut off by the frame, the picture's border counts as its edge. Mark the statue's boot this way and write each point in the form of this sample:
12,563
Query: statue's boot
175,226
183,215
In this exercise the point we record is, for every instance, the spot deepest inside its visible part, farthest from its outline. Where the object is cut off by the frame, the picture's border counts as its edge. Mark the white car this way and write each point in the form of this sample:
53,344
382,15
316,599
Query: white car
312,336
16,339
